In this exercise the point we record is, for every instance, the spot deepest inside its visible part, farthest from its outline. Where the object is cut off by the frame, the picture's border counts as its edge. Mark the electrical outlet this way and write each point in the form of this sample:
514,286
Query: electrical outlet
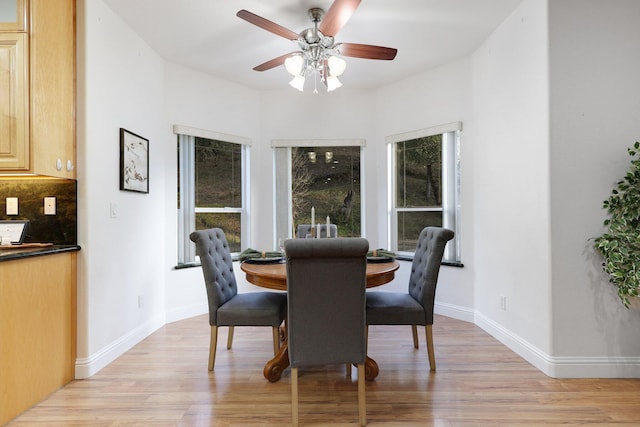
503,303
12,206
49,205
113,210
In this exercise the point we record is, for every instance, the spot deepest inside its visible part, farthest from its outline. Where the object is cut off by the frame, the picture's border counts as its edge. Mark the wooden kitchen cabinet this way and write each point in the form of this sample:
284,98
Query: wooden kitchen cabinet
52,72
14,103
37,329
41,138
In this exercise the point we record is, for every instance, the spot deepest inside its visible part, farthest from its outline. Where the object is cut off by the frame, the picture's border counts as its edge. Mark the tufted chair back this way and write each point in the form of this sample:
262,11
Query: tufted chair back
426,267
217,267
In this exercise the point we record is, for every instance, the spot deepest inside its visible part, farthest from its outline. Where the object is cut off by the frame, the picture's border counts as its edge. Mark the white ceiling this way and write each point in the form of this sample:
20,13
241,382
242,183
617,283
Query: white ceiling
206,35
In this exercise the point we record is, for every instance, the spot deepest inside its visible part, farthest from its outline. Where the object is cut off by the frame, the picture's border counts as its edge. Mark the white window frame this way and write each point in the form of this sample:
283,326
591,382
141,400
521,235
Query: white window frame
187,211
283,221
450,186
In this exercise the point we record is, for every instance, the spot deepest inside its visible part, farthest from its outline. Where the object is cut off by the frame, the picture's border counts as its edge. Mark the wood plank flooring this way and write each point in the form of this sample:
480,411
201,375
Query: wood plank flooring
163,381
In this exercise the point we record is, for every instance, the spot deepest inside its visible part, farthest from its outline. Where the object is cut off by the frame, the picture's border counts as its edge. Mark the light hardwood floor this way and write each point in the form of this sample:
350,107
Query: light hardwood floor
163,381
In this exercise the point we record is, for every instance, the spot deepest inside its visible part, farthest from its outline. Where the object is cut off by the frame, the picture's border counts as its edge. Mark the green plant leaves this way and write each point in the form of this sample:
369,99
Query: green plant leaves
620,246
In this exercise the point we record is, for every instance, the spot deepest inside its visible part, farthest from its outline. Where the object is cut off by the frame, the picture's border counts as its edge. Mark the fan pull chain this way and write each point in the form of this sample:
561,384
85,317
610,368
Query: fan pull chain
315,82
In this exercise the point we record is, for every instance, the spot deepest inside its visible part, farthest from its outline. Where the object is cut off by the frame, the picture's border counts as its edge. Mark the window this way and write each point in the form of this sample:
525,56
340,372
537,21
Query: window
424,186
211,188
324,175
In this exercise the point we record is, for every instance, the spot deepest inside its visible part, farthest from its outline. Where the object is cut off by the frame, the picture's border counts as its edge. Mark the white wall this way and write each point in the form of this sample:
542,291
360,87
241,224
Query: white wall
595,111
510,182
120,84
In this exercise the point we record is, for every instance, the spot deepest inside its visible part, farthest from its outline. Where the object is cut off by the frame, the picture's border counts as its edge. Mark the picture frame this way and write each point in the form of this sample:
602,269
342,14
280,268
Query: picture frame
134,162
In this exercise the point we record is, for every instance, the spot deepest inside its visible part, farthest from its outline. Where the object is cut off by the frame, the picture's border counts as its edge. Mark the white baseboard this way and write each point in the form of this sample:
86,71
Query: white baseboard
454,311
561,367
86,367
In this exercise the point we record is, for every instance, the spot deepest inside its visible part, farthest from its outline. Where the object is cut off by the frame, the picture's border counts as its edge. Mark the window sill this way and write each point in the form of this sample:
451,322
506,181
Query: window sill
447,263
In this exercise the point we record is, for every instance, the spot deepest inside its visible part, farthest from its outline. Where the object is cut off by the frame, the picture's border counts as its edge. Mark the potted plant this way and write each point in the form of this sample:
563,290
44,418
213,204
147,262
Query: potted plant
620,245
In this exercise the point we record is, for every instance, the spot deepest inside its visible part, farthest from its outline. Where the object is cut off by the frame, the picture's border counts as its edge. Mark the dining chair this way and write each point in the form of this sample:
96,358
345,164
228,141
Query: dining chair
305,229
416,306
227,307
326,282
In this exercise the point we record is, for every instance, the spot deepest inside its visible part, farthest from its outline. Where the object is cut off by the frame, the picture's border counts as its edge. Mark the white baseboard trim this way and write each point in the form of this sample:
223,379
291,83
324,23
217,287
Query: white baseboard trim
454,311
88,366
561,367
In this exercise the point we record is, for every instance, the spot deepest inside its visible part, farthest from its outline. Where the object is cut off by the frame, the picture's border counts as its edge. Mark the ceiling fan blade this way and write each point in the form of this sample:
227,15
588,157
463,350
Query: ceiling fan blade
273,63
366,51
265,24
337,15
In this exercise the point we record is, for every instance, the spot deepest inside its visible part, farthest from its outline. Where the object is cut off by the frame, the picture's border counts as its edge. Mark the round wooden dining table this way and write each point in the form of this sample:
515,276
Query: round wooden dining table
274,276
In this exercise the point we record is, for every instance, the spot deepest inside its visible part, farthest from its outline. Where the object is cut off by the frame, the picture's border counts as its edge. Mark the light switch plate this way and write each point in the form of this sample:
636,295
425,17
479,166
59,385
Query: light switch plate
49,205
12,206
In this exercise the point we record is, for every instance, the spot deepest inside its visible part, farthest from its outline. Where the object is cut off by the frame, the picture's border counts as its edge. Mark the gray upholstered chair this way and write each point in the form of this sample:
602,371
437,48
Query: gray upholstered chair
415,307
226,306
326,282
304,229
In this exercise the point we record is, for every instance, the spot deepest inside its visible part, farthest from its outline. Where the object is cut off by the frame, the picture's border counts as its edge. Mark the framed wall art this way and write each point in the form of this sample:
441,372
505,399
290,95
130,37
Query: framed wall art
134,162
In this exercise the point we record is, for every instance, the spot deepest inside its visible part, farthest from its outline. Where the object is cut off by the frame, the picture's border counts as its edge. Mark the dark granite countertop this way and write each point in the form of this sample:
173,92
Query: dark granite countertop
18,253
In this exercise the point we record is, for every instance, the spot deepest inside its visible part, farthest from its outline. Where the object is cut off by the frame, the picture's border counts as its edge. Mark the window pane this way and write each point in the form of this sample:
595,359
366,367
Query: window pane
327,178
228,222
218,174
419,172
410,224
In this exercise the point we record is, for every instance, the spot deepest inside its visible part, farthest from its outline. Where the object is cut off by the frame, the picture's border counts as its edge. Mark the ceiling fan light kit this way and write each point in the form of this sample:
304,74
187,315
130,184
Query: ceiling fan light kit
319,55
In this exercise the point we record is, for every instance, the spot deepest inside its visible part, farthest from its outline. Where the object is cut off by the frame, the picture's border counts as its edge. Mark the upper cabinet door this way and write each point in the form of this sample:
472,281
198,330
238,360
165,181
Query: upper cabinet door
13,15
14,109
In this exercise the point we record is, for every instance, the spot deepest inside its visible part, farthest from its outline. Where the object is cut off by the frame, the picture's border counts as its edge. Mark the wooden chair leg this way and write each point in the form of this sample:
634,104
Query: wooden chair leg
276,339
213,343
414,331
430,351
362,403
230,337
294,396
348,370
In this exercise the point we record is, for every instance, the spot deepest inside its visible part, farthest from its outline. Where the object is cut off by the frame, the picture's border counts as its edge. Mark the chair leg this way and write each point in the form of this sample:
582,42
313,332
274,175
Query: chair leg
294,396
430,352
276,339
230,337
362,403
213,343
348,370
414,331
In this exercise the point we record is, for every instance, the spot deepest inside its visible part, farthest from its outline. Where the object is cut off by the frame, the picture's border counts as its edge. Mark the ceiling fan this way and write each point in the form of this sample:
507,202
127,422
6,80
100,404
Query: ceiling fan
319,54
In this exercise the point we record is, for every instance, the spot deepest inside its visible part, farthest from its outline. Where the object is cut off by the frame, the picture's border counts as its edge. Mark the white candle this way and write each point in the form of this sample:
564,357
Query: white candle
328,223
313,219
318,231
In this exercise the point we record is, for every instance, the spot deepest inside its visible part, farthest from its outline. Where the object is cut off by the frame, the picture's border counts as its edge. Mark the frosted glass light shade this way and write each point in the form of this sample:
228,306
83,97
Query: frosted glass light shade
293,64
297,82
336,66
333,83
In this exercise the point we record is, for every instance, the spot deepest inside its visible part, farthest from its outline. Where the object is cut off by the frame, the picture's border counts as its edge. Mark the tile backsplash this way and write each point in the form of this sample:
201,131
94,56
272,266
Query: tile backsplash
59,229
